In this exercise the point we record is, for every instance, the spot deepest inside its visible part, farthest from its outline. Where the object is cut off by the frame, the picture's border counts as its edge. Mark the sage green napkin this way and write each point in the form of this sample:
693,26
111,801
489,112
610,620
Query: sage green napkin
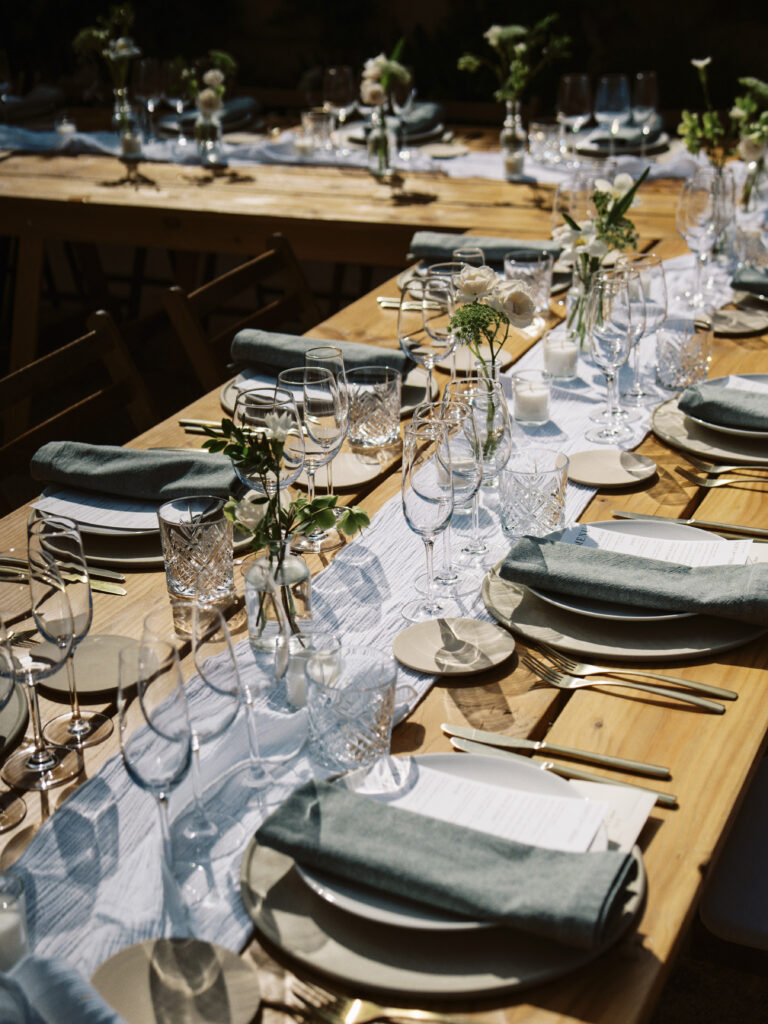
130,473
569,897
421,118
728,591
726,407
751,279
272,352
439,245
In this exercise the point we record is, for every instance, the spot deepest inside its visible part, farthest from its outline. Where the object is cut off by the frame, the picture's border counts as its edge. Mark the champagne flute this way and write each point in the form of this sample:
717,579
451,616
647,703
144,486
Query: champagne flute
427,497
330,357
38,596
59,539
612,105
610,337
573,107
645,96
696,222
650,270
325,417
12,807
424,345
155,738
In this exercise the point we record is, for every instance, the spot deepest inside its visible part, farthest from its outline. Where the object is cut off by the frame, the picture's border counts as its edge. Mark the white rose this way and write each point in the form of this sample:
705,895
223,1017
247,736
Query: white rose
372,92
208,101
750,149
474,283
514,299
701,63
372,69
214,78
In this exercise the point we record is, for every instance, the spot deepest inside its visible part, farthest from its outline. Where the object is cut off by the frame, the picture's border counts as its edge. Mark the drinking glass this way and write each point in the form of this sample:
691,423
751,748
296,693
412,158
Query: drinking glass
427,496
271,413
426,347
35,765
697,223
532,491
574,197
573,106
325,416
651,280
645,95
330,357
12,807
148,89
535,270
612,105
470,255
440,302
173,88
59,540
155,735
339,92
375,397
610,337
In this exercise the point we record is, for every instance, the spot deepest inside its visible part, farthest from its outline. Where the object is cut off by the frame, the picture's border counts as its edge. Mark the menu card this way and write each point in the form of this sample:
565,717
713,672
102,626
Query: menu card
103,510
683,552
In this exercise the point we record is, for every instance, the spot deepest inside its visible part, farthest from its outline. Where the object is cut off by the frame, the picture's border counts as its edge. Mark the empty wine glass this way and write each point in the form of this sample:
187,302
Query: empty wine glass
325,416
270,412
331,357
424,344
59,539
469,255
155,736
612,105
339,92
697,223
36,597
439,300
610,337
573,107
148,89
645,95
650,271
574,198
427,496
173,93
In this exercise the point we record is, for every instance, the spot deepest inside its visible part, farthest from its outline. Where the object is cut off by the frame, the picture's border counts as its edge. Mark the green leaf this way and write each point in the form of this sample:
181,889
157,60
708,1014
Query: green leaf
571,222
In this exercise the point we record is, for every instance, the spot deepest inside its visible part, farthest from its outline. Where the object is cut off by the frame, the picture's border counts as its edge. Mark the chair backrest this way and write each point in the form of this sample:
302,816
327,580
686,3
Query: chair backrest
282,298
88,390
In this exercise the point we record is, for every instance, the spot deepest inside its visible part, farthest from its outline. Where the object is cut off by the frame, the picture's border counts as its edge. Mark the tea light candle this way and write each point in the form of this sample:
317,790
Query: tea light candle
66,127
531,396
561,356
13,922
295,680
303,144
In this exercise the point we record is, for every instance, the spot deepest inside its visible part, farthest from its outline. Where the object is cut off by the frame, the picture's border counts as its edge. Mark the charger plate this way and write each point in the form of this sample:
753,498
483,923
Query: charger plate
382,960
13,721
165,980
672,425
132,551
526,615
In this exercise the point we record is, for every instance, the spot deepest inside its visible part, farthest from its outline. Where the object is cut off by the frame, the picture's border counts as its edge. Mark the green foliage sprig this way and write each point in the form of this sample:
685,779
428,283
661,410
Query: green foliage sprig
705,131
109,39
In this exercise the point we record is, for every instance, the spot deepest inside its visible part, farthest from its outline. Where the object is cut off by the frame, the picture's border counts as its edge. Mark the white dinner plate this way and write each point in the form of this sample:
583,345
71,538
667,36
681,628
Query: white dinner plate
382,908
756,435
601,148
627,613
670,423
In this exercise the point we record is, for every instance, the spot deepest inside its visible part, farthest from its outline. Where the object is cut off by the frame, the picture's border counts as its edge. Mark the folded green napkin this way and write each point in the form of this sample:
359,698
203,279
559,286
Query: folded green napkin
569,897
751,279
130,473
271,352
439,245
726,407
729,591
421,118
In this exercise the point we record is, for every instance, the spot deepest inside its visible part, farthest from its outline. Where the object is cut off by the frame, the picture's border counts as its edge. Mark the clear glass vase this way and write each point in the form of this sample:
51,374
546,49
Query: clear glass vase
513,142
278,597
576,312
127,124
381,144
208,136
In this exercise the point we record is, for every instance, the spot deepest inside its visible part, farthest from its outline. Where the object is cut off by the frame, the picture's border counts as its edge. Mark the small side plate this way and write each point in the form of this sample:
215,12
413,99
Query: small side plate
609,467
452,646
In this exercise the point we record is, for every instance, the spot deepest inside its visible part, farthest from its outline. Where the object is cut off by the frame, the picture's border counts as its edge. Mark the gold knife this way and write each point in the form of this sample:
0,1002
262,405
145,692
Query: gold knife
106,574
102,586
746,531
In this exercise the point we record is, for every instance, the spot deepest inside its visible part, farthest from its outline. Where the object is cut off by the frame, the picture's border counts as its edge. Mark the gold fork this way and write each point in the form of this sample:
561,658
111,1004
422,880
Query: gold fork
731,467
565,681
337,1009
731,481
584,668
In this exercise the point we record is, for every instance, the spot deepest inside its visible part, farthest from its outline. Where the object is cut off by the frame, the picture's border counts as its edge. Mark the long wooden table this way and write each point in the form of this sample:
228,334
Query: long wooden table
711,757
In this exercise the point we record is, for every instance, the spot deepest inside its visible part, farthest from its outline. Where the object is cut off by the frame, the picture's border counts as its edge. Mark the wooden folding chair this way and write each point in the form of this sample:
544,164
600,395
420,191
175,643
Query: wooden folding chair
88,390
282,299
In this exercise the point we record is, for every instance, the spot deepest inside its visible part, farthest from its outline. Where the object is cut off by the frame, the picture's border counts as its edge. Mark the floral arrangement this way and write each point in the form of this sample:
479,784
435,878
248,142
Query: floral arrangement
705,131
109,39
586,246
380,75
204,81
269,517
521,53
490,304
749,116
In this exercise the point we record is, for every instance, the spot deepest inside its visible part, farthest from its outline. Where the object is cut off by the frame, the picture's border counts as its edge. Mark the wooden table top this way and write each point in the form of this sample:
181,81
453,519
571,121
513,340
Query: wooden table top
711,757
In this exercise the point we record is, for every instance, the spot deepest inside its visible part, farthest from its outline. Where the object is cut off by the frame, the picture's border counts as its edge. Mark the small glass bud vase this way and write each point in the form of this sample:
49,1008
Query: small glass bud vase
380,145
513,142
208,135
125,121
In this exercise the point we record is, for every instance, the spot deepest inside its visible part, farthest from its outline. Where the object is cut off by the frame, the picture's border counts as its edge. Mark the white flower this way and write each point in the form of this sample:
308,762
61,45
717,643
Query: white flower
493,35
520,49
474,283
208,101
515,300
737,113
702,63
374,68
372,92
250,513
214,78
278,425
622,183
751,148
121,49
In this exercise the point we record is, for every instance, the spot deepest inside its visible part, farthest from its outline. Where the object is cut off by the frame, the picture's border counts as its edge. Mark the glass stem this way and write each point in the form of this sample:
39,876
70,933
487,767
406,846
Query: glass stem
701,258
610,398
310,484
76,724
177,911
197,781
448,550
429,545
329,476
41,758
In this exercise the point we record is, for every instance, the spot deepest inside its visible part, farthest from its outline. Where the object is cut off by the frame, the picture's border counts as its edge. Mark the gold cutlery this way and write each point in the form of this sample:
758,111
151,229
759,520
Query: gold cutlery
337,1009
199,423
102,586
392,302
495,739
731,467
565,681
703,524
583,668
105,574
565,771
703,481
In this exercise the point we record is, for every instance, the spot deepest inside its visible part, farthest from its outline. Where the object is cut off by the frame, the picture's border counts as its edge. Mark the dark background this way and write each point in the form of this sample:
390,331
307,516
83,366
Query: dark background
279,42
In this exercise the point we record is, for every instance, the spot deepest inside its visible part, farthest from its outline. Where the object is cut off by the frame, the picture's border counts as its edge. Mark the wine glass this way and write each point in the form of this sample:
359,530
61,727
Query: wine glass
469,255
271,413
650,270
612,106
330,357
173,93
439,301
645,95
12,807
59,539
325,417
573,106
424,345
339,92
155,735
148,89
35,765
697,223
574,197
427,496
610,337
